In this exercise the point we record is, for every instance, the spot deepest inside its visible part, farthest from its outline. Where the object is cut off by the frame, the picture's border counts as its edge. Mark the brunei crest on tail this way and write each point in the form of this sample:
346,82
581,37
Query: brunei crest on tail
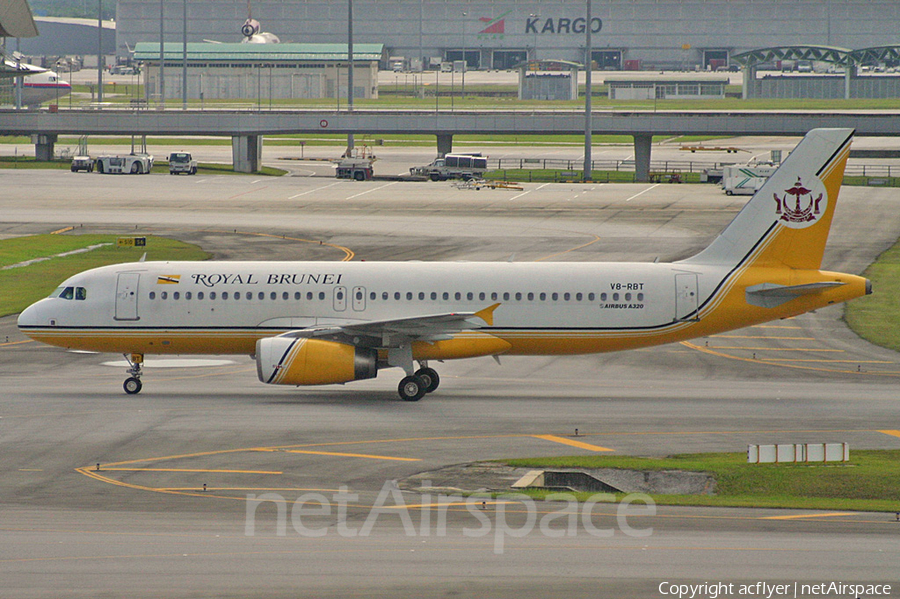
807,204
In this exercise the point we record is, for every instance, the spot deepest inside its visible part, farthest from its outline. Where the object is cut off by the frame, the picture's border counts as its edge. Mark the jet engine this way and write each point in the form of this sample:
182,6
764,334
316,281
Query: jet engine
250,28
292,361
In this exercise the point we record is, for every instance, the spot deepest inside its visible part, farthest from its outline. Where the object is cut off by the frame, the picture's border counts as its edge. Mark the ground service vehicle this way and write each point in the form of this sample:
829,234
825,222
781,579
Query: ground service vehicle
182,162
453,166
82,163
745,179
135,164
354,168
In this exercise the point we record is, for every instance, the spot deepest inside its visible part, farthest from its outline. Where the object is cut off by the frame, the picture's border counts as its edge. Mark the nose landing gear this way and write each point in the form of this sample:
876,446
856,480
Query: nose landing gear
132,384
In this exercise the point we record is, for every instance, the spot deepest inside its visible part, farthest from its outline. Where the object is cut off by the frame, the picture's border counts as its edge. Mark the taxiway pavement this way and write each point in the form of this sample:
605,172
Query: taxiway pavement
143,525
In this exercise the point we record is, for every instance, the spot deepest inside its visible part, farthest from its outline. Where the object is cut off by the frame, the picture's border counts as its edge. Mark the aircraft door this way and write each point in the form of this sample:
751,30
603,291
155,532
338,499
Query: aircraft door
359,299
340,298
127,296
687,297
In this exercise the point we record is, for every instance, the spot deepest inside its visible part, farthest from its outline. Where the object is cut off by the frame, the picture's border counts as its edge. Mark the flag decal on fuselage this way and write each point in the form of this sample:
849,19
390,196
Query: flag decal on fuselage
168,279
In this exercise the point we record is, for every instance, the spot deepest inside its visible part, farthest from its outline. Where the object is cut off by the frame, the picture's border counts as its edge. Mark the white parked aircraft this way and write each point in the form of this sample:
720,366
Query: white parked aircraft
313,323
42,87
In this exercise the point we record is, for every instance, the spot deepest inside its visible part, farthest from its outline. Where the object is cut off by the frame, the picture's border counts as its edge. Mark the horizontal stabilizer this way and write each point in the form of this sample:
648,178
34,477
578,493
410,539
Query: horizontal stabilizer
772,295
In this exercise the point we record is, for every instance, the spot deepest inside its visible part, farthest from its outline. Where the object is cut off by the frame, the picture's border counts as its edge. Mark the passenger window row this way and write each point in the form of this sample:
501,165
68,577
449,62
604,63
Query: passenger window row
397,296
497,296
236,295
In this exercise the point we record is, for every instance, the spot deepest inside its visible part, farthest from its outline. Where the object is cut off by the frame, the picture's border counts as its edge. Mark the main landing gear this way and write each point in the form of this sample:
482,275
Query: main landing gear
133,384
415,386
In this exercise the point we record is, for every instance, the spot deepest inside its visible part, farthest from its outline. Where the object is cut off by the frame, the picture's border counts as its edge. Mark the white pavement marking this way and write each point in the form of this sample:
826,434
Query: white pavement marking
643,192
529,191
371,190
314,190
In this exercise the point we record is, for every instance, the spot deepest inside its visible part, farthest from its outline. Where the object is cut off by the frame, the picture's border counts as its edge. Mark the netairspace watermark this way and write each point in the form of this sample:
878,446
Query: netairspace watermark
768,590
428,516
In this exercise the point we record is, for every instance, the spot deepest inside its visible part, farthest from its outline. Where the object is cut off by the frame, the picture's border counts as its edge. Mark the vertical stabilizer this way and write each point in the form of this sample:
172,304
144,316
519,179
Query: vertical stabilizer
786,223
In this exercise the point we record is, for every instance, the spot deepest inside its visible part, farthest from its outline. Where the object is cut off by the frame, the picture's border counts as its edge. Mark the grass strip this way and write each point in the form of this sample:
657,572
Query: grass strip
870,481
21,287
159,166
876,317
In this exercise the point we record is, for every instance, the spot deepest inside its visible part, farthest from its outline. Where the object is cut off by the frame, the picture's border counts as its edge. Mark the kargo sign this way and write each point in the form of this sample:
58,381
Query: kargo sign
561,25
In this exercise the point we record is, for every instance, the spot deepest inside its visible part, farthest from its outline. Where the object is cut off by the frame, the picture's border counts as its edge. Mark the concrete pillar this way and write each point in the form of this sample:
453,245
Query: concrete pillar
246,153
642,144
43,147
748,74
444,143
848,75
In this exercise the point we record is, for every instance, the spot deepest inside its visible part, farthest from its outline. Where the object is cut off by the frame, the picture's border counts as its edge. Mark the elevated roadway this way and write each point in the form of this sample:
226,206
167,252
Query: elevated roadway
247,126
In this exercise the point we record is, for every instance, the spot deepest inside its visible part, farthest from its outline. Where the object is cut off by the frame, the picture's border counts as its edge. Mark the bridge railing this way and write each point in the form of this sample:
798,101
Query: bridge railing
662,166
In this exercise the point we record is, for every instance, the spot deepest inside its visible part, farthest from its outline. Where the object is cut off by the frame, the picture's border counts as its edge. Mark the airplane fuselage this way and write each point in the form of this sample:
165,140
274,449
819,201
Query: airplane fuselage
545,308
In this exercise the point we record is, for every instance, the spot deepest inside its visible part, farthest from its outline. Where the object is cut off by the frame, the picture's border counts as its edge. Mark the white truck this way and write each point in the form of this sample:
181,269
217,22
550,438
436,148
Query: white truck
182,162
453,166
746,179
135,164
359,169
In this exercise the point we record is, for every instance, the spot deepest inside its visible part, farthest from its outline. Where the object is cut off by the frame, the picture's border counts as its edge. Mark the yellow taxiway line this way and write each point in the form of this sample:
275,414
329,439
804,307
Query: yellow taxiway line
572,442
805,516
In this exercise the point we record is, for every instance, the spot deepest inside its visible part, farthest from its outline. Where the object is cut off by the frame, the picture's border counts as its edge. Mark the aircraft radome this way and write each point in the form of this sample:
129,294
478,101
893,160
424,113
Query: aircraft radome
314,323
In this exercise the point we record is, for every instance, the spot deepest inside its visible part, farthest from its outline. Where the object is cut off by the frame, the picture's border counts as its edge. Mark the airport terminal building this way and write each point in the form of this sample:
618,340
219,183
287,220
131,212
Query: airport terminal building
498,34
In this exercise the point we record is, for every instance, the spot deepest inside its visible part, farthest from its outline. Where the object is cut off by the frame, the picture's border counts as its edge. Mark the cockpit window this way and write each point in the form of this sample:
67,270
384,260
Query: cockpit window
68,293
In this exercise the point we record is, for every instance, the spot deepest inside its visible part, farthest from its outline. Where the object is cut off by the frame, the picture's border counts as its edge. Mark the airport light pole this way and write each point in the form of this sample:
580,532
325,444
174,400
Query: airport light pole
162,54
184,57
588,124
99,51
465,58
350,140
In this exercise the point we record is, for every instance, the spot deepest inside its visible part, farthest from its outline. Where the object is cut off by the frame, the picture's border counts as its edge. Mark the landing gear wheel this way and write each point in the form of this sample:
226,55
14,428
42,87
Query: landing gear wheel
132,386
430,377
412,388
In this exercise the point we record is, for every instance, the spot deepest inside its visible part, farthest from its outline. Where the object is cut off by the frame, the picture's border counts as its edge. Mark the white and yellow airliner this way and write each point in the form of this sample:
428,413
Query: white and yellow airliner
314,323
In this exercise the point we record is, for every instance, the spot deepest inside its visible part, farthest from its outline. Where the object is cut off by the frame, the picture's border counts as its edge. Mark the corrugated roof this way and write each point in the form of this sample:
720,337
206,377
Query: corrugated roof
149,51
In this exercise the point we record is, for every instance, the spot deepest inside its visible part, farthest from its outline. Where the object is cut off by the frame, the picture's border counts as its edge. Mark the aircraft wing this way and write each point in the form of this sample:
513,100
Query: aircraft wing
386,333
9,68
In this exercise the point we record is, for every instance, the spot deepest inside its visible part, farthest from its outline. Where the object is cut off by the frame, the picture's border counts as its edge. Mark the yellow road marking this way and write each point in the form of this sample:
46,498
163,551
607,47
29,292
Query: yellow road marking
830,361
104,469
352,455
16,342
572,442
194,488
804,516
450,504
763,337
64,230
773,348
780,362
577,247
892,433
349,254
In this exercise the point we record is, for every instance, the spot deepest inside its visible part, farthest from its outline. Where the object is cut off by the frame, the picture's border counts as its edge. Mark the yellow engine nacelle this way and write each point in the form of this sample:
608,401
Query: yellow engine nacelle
288,361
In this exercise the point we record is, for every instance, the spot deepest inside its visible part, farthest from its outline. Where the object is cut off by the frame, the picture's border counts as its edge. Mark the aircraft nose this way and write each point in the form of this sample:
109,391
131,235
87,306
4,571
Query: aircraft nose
30,316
